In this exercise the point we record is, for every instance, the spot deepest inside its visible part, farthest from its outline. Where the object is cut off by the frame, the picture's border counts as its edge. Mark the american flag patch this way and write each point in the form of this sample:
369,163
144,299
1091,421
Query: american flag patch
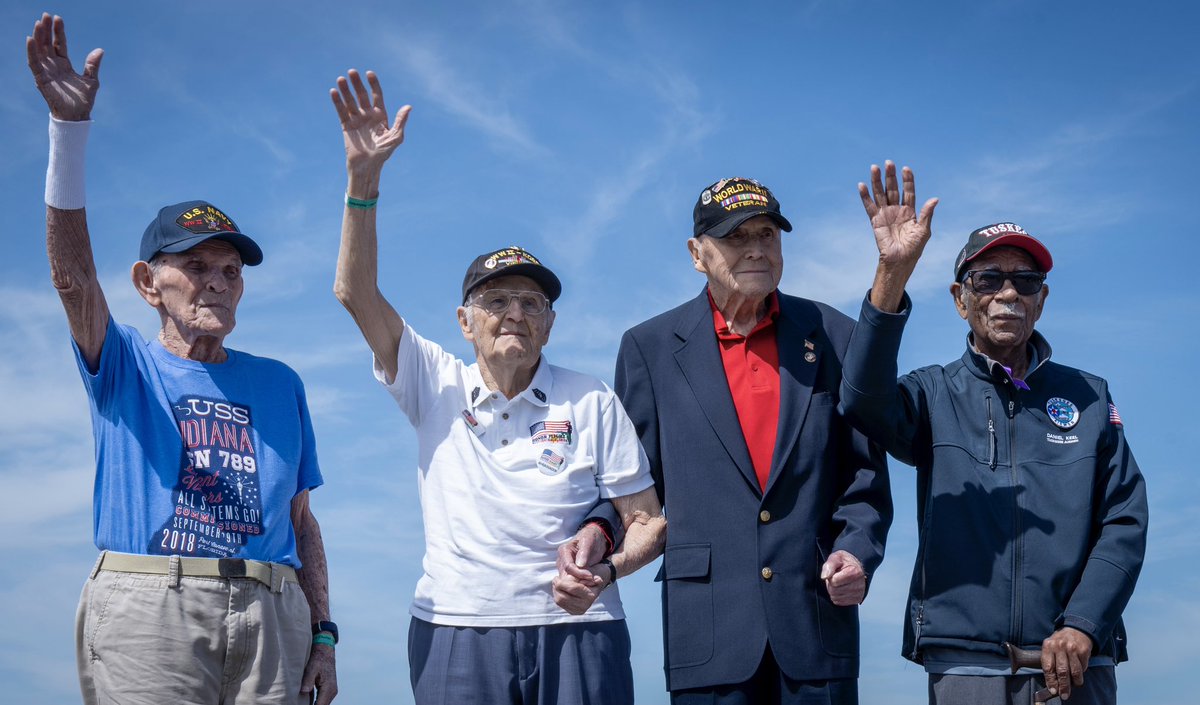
550,432
1114,418
550,463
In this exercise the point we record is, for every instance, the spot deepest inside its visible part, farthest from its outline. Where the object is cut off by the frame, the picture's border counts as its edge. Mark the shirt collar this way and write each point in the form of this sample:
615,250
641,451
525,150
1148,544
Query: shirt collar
1037,347
537,393
722,327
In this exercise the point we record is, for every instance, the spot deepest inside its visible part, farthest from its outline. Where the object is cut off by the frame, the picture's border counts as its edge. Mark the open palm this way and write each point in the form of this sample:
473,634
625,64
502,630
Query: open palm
900,233
69,95
369,140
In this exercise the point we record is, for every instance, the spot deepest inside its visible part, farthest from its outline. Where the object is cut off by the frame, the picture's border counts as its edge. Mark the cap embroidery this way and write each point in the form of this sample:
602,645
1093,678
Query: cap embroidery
205,219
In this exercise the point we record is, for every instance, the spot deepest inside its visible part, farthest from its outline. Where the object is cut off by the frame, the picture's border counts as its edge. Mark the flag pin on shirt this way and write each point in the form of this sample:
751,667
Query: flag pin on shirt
472,423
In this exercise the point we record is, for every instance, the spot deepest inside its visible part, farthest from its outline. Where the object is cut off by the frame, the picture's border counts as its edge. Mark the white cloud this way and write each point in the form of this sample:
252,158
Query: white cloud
463,96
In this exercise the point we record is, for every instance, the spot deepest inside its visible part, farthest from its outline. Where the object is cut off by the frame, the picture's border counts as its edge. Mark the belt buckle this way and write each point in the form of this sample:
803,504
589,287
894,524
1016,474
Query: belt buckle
231,567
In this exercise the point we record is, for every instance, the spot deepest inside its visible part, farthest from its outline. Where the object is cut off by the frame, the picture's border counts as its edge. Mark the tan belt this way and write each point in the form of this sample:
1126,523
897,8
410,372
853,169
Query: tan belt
273,575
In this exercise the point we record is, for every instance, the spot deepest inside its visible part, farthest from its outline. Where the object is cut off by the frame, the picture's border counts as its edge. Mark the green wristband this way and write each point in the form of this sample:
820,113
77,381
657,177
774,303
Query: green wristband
361,204
324,638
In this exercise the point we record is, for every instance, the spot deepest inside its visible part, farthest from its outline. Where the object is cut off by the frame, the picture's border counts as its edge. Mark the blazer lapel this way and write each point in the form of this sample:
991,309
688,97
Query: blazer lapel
699,359
799,358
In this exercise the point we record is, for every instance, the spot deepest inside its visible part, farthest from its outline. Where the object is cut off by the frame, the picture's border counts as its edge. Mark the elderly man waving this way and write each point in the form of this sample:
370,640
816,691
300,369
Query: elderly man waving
1032,509
212,567
514,454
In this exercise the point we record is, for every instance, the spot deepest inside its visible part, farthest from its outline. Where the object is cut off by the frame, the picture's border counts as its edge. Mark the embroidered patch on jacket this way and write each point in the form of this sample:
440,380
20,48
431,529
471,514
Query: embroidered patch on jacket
1113,417
550,463
1060,439
1062,413
550,432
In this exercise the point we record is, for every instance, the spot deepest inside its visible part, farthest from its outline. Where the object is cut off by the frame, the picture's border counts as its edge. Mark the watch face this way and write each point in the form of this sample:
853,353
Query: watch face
326,627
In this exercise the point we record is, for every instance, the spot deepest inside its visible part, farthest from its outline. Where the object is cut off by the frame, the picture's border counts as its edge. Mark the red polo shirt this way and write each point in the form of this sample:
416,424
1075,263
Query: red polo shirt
752,369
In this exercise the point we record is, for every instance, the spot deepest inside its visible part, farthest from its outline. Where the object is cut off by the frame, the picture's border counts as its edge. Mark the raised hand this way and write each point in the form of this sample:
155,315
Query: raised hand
900,233
369,140
69,95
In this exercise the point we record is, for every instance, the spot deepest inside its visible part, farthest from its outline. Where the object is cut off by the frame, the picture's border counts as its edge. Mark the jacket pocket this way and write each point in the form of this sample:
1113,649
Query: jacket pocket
688,602
839,625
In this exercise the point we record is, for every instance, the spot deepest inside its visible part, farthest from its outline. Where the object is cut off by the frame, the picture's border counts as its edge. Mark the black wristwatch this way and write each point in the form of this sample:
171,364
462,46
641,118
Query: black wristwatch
326,627
612,571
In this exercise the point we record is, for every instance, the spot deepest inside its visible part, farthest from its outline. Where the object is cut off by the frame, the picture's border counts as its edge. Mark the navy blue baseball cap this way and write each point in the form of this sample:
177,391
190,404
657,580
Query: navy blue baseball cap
182,226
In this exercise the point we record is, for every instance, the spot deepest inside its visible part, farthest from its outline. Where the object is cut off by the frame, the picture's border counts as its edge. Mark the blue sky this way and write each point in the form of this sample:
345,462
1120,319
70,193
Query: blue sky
584,132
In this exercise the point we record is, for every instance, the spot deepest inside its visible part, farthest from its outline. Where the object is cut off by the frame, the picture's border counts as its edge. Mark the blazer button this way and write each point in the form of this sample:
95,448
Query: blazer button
764,516
767,573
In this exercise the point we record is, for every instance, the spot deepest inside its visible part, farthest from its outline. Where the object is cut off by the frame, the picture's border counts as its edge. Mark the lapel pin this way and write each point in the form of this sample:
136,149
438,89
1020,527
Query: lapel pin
810,356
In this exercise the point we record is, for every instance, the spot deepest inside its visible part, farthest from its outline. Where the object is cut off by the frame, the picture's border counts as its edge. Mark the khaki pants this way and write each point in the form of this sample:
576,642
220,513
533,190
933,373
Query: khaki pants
208,641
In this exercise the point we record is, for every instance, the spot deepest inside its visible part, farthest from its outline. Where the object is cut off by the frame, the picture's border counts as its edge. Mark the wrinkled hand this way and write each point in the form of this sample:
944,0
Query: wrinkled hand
576,595
900,233
576,586
321,672
845,579
69,95
1065,655
369,140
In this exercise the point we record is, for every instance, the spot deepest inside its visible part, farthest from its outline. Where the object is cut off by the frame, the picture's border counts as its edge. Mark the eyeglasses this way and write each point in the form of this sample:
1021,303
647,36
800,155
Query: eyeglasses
497,301
990,281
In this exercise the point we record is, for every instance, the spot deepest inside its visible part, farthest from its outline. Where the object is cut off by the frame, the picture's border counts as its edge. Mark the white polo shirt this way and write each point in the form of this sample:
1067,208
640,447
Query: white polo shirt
504,482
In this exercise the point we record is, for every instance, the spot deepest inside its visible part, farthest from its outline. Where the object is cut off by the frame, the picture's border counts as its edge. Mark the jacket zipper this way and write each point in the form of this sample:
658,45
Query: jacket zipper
920,620
1018,541
991,435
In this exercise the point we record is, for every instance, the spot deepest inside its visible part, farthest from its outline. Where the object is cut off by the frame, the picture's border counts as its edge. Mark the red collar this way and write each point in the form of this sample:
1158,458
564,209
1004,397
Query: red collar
722,328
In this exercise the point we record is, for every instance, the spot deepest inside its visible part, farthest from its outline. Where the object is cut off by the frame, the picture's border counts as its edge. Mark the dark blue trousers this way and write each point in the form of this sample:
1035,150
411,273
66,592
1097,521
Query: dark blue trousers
585,663
771,686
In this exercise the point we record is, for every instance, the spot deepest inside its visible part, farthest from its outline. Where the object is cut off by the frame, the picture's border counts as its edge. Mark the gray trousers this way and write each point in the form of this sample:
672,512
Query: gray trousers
1099,688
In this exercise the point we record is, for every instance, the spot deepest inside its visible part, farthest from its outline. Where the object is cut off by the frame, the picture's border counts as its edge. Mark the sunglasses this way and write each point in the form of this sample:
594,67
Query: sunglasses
990,281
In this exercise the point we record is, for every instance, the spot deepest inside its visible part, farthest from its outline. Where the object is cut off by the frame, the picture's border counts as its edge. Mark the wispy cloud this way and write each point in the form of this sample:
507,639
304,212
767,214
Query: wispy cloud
454,90
45,445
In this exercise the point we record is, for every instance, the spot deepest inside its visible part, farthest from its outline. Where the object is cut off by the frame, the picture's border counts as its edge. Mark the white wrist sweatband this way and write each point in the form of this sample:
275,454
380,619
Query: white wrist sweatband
64,175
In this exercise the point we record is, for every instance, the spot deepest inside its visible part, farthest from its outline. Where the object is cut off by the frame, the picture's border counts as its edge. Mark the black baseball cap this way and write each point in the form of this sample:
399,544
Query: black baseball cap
1001,234
728,203
182,226
510,261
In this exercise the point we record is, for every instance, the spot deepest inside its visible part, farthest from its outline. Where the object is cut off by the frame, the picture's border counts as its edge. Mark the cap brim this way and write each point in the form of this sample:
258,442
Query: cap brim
728,225
249,250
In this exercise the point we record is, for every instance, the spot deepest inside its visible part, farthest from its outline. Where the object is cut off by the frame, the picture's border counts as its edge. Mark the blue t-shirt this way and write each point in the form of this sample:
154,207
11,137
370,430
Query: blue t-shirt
196,459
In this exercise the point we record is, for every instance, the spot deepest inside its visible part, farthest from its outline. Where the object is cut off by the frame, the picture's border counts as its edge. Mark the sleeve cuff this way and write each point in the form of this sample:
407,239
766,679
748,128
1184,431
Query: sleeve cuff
882,319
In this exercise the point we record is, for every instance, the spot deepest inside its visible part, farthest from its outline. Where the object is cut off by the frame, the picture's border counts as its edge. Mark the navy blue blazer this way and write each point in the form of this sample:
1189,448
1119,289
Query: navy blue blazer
742,567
